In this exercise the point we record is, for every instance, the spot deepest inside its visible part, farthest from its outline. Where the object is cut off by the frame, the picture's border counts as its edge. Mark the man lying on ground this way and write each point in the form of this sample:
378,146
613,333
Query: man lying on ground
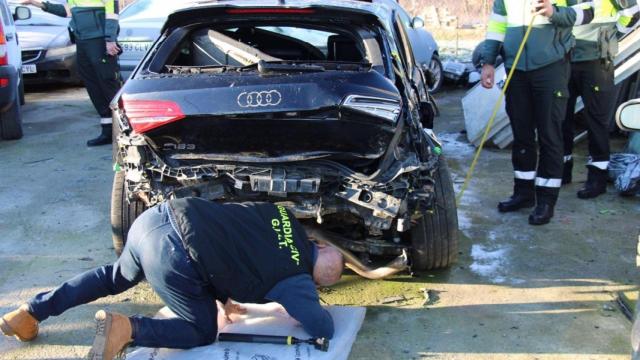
194,252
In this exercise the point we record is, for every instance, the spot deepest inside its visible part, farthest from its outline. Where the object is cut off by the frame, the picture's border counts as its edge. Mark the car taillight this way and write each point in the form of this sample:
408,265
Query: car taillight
4,56
270,11
4,82
388,109
145,115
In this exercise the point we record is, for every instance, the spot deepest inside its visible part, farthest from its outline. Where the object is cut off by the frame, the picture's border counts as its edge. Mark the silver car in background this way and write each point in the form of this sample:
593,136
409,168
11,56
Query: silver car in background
48,56
140,25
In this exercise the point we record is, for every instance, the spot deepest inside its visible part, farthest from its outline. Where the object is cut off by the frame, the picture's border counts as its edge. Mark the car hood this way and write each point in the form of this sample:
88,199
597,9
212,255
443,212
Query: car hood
42,37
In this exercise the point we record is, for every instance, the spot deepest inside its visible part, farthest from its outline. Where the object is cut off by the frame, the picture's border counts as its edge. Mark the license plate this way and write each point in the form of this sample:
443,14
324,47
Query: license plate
29,69
135,46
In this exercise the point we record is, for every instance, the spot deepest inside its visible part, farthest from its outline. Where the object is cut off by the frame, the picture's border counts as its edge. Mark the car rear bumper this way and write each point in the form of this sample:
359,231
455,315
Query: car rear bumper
57,70
9,92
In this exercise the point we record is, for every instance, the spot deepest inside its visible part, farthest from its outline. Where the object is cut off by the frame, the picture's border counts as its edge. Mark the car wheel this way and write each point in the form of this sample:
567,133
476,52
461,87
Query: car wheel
435,237
11,121
435,67
22,101
123,212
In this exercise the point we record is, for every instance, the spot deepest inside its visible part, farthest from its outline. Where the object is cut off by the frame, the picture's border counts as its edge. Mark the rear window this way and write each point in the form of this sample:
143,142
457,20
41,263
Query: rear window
239,45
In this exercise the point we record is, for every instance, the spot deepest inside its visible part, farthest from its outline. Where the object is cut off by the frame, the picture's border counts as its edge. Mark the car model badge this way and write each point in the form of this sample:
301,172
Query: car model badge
252,99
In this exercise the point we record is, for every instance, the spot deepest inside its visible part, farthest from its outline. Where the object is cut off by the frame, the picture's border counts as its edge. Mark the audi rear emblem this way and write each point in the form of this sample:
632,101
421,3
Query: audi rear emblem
259,98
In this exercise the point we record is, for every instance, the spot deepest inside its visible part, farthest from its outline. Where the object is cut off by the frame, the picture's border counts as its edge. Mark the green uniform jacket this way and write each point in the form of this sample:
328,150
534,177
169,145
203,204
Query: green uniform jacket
599,40
550,38
90,19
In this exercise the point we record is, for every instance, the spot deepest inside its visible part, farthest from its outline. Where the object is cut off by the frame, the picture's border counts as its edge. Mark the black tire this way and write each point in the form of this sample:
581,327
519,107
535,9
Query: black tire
21,89
437,71
123,212
435,237
11,121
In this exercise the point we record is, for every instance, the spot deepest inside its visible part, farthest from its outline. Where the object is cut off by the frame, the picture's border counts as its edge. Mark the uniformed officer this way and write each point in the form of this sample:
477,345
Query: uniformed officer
94,28
592,79
537,96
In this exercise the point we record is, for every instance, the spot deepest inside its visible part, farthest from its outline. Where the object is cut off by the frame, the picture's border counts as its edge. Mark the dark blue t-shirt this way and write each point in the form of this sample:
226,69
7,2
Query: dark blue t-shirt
298,295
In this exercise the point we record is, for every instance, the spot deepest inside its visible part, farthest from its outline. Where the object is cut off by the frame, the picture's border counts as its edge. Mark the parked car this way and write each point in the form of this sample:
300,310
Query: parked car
48,56
140,25
628,119
11,84
315,105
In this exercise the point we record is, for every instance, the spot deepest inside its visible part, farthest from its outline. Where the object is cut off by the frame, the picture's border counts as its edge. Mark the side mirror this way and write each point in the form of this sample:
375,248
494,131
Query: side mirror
22,13
628,115
417,22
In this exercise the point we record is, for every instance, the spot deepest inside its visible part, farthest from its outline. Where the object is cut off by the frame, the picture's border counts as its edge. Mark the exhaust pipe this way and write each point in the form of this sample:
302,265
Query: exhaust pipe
397,265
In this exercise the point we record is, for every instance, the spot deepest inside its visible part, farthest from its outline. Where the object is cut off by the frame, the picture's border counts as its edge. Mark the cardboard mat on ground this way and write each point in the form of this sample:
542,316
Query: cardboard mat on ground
267,320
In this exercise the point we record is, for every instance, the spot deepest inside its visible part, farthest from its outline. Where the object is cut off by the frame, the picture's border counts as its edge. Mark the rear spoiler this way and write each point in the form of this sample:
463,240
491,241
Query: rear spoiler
204,14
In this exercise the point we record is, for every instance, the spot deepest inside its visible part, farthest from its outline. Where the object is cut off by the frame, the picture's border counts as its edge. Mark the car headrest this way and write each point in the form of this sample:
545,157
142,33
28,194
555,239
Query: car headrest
342,48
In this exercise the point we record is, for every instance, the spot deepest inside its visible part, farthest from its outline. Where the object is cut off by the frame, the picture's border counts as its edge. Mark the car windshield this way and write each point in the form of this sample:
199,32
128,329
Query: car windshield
39,17
245,45
151,9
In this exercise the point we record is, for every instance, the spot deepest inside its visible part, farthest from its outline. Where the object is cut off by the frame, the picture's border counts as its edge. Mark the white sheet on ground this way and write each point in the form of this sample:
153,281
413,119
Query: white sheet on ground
267,320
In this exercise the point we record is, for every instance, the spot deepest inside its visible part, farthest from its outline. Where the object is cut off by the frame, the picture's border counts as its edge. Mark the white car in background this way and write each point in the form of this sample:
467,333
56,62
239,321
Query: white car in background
140,25
11,85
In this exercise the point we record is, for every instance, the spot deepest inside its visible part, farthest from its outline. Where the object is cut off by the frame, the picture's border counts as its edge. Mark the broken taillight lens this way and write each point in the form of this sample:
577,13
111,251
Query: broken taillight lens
145,115
270,11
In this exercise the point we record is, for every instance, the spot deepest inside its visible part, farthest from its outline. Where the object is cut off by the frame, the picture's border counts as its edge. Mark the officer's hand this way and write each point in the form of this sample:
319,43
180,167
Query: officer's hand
488,76
543,7
231,308
30,2
112,48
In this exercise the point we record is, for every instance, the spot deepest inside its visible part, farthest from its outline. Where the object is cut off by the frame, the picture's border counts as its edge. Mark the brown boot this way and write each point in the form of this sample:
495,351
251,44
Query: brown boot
20,323
113,334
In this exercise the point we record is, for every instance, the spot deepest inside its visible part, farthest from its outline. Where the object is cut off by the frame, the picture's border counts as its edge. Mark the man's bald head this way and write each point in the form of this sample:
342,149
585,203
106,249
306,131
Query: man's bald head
328,267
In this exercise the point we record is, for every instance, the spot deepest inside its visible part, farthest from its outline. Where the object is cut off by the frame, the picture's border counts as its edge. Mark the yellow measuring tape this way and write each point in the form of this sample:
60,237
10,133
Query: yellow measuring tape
496,108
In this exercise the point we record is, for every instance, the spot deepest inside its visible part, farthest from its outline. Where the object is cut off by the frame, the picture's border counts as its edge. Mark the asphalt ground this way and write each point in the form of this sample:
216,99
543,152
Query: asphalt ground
516,292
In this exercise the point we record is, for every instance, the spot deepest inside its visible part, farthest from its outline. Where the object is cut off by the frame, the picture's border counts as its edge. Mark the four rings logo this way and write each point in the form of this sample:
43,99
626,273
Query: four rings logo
259,98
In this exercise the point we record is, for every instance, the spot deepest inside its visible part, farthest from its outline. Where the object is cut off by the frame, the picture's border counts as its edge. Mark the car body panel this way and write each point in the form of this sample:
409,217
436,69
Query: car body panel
12,70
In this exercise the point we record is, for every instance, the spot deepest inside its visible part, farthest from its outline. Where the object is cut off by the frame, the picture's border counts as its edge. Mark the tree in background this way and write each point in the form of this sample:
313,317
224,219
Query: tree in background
466,11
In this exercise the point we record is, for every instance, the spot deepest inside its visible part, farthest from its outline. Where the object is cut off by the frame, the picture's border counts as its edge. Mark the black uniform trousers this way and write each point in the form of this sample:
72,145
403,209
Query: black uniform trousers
593,80
100,73
537,101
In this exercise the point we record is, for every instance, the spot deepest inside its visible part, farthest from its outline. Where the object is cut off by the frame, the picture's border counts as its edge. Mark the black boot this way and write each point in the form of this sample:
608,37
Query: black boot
104,138
596,183
516,202
566,172
541,215
523,196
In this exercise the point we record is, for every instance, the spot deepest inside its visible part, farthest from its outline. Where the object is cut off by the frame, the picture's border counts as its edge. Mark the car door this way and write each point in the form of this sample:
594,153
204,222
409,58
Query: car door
15,58
427,106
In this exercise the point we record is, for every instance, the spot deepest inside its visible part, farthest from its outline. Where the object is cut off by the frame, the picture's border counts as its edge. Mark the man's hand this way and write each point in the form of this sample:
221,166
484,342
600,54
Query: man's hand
543,7
488,76
231,308
112,48
36,3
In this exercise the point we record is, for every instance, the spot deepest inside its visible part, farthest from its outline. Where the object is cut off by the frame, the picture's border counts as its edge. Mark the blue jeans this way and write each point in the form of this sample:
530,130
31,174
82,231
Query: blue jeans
155,251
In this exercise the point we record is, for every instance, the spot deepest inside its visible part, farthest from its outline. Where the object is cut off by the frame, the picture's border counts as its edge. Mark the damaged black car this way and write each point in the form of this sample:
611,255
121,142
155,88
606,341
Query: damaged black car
314,105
